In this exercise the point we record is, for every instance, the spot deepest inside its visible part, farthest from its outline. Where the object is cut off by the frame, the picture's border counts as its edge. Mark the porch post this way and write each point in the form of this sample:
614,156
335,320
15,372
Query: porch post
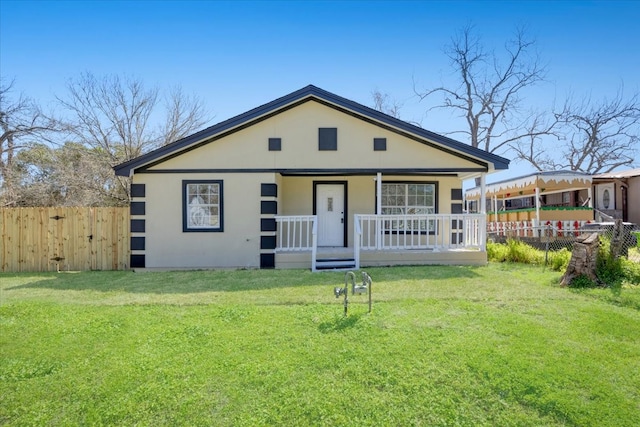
537,206
590,196
483,211
378,210
483,195
495,207
379,193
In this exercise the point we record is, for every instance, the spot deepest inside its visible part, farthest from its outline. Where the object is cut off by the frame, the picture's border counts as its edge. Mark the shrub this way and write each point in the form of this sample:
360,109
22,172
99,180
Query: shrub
559,260
631,272
612,271
497,252
517,251
521,252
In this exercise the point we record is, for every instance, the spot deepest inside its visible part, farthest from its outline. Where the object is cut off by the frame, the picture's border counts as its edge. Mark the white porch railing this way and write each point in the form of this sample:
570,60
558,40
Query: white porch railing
298,233
435,232
388,232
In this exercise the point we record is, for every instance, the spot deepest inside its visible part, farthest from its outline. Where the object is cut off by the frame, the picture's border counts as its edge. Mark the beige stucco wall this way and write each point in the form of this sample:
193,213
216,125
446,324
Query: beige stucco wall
167,246
298,128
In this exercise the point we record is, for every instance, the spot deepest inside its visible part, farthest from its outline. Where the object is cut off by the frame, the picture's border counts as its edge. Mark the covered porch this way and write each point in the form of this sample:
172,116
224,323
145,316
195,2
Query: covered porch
367,218
380,240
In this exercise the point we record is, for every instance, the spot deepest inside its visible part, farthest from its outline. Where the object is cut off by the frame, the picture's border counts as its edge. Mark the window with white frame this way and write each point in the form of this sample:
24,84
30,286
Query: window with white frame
202,205
409,199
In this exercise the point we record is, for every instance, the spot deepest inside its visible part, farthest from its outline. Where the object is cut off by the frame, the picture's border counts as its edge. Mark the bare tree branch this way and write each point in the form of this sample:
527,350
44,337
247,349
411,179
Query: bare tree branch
383,103
21,122
489,88
598,136
185,114
121,118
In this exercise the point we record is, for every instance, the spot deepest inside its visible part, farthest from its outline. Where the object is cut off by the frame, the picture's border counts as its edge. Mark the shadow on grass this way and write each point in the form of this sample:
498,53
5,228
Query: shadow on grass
199,281
339,323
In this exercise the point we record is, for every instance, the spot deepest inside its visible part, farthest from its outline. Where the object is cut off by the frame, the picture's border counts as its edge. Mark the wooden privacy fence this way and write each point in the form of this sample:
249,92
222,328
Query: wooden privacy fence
64,239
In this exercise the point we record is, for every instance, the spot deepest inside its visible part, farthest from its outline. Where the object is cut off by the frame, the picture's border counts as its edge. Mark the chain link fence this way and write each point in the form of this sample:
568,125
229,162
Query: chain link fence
551,238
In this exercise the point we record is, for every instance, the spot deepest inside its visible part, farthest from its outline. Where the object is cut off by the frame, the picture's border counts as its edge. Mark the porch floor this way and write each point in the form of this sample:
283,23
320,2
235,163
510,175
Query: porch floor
370,258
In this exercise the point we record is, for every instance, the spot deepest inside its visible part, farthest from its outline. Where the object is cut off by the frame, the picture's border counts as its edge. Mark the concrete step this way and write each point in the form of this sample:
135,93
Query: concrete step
335,264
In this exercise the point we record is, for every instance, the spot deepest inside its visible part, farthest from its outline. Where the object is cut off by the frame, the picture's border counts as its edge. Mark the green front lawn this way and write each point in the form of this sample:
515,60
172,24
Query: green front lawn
497,345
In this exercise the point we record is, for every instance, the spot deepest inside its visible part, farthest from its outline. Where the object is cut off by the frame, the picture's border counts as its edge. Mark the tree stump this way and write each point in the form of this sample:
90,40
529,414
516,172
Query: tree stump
583,259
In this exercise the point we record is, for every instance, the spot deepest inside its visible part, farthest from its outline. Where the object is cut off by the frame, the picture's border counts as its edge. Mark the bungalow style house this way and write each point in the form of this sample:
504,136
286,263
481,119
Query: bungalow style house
309,180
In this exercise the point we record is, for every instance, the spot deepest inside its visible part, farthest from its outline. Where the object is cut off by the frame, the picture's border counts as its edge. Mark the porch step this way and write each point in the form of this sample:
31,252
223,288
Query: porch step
335,263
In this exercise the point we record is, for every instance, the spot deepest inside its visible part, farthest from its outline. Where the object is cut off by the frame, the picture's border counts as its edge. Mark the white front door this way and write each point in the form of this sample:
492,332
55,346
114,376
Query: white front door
330,211
605,197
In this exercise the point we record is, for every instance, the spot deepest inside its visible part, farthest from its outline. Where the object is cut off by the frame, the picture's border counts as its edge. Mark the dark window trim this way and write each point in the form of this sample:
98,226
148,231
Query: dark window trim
268,242
275,144
268,190
137,208
267,261
327,139
137,226
346,206
138,190
456,208
268,224
268,207
456,194
379,144
137,244
186,229
137,261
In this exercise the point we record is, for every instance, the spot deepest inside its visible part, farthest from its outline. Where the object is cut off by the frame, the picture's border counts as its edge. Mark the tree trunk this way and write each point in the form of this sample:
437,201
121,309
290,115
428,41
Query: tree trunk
583,259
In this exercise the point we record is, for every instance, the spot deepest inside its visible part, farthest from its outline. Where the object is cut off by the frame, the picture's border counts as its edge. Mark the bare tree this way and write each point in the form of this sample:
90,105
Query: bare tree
21,121
121,117
184,114
598,136
489,88
383,103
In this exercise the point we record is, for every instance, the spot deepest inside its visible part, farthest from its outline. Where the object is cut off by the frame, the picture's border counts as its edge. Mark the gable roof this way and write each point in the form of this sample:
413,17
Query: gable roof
293,99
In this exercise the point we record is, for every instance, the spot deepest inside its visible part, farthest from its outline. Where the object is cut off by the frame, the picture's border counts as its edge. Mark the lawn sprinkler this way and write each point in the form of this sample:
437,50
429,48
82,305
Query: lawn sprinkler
364,288
337,291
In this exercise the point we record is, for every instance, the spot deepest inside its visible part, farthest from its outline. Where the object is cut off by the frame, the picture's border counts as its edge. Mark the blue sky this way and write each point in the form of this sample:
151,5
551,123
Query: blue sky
238,55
